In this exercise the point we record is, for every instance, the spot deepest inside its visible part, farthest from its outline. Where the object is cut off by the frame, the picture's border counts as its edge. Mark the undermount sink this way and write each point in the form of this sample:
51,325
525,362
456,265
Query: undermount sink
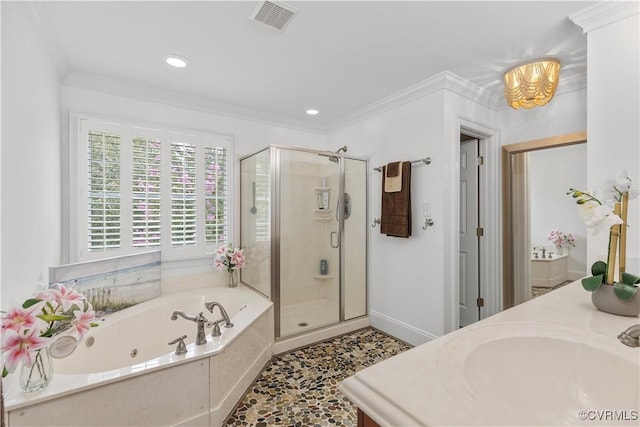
543,374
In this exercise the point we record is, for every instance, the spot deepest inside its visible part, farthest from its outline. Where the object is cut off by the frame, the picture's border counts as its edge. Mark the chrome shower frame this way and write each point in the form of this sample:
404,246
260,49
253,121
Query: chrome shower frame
275,195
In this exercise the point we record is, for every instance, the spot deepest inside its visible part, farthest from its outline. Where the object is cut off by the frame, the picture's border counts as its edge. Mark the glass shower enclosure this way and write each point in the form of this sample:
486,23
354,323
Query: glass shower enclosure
303,227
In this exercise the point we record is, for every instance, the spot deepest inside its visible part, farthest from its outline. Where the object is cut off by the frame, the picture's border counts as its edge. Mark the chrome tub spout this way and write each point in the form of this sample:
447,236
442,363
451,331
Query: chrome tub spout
225,318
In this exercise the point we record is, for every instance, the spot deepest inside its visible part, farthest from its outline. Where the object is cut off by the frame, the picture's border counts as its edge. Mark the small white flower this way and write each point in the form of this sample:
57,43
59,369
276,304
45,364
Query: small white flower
622,181
597,216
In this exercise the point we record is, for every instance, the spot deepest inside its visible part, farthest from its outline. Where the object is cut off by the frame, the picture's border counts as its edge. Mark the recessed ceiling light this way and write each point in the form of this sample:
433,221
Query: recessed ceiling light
176,61
312,112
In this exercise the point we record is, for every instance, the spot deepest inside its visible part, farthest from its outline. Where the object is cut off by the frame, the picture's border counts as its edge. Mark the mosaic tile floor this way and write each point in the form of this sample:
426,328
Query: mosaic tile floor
537,291
300,388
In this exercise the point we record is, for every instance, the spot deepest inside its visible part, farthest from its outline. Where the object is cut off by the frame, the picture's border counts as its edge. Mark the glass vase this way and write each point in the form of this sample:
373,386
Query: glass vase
233,278
37,376
559,250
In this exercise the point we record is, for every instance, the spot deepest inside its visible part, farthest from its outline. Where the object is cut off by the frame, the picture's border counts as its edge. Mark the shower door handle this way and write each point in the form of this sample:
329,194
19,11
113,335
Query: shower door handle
335,234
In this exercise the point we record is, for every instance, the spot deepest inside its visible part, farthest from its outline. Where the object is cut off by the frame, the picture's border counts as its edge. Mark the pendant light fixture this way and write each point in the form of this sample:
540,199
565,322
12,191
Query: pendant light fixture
531,83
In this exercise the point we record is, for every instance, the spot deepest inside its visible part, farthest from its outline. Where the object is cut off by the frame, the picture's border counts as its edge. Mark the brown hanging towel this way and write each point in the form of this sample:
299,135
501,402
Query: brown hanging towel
396,199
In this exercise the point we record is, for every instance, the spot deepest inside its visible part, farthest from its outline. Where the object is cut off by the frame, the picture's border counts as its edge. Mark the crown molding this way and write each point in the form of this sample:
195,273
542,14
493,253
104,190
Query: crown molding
445,80
572,83
605,13
146,93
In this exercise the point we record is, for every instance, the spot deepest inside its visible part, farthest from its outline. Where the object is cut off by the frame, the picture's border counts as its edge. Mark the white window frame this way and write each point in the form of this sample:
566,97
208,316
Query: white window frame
78,194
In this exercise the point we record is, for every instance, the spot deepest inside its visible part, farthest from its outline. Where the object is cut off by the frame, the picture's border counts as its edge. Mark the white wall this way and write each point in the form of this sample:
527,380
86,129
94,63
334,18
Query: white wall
551,173
405,275
614,127
565,113
31,198
412,281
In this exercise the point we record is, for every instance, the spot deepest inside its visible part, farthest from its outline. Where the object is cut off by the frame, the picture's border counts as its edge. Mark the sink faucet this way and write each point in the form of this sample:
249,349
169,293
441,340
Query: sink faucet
543,252
631,336
225,318
200,320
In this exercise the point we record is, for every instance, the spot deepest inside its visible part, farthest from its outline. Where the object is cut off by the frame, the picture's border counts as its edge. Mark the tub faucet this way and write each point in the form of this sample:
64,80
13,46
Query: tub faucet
225,318
200,320
631,336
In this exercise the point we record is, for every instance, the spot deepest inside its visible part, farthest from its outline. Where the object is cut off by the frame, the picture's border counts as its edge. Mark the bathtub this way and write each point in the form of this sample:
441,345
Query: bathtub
125,373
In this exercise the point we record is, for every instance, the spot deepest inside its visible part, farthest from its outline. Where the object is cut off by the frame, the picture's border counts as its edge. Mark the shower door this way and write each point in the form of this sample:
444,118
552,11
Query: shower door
309,282
354,240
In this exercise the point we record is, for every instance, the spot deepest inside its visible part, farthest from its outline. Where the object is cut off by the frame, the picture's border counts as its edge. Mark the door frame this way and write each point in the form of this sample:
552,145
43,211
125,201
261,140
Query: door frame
490,278
507,222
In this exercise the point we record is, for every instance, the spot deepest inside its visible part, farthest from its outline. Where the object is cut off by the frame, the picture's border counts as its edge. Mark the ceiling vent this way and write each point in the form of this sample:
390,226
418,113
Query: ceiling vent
274,14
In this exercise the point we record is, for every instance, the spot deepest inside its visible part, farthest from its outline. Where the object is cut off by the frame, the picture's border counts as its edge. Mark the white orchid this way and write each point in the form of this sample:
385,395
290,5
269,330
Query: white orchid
613,189
598,216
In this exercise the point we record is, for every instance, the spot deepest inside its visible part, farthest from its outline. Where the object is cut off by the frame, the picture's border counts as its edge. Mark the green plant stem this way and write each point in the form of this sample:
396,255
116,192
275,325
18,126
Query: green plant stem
614,233
38,363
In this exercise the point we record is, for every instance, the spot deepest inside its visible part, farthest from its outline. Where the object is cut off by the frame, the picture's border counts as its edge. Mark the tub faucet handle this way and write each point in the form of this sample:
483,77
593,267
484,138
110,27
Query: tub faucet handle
216,332
181,348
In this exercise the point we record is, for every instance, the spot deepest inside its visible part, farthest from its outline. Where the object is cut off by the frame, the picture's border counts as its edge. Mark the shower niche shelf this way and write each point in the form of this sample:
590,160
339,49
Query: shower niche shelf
323,215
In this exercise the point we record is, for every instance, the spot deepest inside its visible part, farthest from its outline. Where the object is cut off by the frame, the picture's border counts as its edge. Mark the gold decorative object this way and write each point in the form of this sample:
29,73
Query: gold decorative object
532,83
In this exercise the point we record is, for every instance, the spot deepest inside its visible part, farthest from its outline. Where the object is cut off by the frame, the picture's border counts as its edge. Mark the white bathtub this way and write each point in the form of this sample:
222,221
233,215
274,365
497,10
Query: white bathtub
131,376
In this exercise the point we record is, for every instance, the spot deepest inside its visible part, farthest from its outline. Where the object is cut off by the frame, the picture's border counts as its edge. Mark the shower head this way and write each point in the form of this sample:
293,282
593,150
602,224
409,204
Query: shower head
333,159
341,150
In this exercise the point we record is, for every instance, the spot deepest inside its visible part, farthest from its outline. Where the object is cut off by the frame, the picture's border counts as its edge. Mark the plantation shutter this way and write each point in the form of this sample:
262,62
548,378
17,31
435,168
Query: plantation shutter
149,188
103,184
215,194
183,194
146,192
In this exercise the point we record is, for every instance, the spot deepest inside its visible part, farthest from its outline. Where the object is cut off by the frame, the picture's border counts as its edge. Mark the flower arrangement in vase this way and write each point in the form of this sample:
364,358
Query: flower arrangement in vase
232,259
561,240
610,211
58,318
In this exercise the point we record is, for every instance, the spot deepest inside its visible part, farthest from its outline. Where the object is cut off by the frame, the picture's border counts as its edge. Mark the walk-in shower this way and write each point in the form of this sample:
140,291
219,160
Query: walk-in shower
304,231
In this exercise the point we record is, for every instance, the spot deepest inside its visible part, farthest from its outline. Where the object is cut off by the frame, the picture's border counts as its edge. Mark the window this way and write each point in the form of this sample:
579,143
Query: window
141,188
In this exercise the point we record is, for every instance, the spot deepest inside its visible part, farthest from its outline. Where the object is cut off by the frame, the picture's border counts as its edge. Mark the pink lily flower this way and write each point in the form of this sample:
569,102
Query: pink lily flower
82,322
237,258
221,250
66,297
19,347
18,319
219,264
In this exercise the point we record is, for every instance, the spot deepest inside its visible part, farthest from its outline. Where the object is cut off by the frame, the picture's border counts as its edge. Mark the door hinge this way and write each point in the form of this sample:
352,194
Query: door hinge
479,232
480,302
479,160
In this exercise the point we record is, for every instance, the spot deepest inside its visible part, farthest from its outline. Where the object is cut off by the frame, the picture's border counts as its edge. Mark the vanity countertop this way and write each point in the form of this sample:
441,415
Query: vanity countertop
433,384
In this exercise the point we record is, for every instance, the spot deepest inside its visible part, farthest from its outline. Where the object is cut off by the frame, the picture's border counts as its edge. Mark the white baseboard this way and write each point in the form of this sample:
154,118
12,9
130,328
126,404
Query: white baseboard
398,329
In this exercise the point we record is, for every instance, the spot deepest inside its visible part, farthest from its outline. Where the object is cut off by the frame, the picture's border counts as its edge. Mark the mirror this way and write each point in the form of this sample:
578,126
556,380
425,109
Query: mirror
521,216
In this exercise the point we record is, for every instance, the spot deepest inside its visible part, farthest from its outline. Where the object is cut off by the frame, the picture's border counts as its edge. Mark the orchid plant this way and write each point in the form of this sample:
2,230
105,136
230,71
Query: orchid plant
559,238
609,211
36,324
230,258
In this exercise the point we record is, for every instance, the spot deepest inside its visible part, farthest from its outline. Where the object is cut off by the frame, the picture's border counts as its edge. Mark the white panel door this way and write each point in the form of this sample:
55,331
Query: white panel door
469,265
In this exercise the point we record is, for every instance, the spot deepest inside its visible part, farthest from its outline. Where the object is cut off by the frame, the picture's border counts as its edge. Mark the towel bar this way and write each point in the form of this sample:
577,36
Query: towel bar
426,161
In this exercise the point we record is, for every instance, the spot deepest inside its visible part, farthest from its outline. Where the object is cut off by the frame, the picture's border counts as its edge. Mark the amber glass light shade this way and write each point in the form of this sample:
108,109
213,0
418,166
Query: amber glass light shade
533,83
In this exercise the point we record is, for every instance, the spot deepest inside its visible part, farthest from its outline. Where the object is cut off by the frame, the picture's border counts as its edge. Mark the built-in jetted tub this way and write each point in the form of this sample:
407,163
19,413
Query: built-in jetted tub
125,372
